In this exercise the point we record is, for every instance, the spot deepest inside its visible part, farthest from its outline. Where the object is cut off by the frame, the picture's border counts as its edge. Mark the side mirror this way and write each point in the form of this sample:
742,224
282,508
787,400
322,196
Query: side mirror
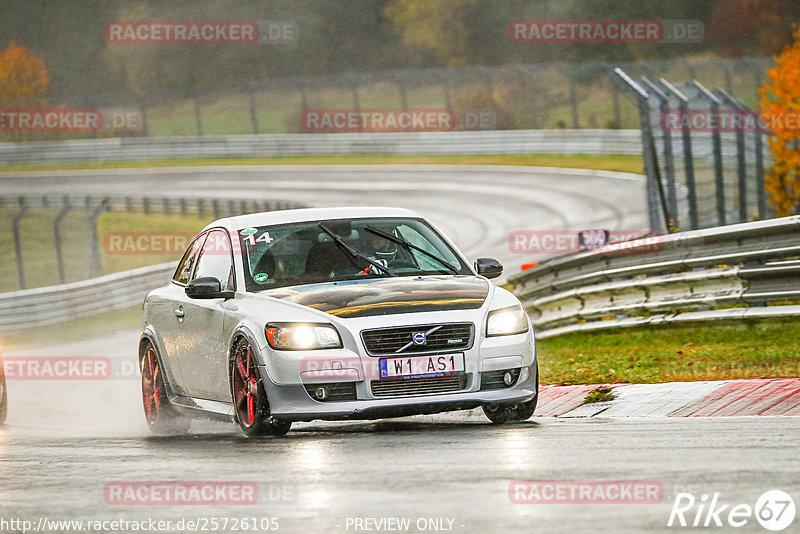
206,287
488,267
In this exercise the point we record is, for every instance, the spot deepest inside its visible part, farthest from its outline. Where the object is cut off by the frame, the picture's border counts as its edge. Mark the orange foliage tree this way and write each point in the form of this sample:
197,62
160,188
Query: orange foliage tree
23,77
780,108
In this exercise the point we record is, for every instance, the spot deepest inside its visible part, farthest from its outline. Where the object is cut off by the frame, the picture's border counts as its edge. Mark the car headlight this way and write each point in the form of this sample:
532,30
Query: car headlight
507,321
302,336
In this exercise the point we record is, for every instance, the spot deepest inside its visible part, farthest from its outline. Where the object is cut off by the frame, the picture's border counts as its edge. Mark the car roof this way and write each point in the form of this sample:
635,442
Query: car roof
307,214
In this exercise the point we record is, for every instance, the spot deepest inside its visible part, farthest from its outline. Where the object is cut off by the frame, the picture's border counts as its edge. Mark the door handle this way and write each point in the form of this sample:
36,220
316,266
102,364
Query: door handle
179,312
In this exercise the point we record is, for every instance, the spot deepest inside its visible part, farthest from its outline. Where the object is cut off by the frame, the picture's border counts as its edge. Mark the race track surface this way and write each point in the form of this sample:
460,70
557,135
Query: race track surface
68,443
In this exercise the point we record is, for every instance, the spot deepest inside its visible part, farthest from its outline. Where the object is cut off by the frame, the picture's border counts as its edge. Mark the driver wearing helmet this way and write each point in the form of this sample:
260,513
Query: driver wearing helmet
380,250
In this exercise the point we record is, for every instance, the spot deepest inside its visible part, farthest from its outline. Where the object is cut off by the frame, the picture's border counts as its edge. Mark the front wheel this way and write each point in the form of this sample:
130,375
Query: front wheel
510,413
162,419
249,398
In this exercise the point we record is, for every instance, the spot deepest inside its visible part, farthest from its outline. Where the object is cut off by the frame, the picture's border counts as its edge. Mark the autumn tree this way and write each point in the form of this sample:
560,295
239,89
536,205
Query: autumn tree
23,77
780,107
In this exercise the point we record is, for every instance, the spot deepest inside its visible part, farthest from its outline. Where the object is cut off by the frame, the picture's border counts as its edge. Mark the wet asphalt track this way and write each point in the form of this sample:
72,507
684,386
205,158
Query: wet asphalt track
65,440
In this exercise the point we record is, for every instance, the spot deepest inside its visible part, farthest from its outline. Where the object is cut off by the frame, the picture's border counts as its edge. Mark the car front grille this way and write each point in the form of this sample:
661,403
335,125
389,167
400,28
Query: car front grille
438,338
494,379
418,386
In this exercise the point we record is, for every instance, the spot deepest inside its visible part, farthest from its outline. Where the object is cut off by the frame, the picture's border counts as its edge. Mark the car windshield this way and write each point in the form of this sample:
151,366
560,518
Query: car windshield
344,249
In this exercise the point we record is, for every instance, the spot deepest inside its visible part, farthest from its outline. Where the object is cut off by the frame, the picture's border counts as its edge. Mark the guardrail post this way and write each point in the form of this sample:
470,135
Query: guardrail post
23,210
655,195
95,265
716,140
57,238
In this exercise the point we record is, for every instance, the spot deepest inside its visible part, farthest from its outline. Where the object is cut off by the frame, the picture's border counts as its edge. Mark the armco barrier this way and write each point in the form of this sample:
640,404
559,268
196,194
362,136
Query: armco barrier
461,142
727,272
54,304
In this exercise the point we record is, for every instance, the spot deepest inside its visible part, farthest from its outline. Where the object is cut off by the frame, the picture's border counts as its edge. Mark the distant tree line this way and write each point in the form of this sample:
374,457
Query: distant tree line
337,36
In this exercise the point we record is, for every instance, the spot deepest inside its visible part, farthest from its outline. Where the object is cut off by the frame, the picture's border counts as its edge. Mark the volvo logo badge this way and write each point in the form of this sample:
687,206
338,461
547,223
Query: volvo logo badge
419,338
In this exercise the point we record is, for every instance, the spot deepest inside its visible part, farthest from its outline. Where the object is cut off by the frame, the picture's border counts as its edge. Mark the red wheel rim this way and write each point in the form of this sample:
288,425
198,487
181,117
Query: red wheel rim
151,385
245,386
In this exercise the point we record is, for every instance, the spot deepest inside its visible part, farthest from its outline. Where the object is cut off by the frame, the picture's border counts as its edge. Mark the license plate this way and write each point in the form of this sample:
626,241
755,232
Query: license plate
422,366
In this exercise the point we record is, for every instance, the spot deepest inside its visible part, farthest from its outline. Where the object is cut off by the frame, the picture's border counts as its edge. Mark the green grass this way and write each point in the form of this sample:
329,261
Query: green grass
620,163
673,353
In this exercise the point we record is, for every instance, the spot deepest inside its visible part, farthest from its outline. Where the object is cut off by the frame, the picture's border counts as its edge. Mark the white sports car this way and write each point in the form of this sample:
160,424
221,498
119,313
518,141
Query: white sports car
341,313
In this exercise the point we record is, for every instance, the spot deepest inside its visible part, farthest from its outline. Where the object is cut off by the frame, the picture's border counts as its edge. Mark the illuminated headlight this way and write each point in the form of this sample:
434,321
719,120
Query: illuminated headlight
507,321
302,336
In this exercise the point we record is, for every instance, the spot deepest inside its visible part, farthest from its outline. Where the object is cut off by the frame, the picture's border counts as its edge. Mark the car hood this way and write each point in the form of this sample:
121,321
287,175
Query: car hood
383,296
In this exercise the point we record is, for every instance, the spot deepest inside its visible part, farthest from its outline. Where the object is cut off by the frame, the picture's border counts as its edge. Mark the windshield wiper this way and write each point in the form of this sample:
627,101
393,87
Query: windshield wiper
353,252
401,241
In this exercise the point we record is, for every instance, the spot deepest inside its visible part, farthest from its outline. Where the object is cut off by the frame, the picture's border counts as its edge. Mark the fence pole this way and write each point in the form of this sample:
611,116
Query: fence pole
688,156
653,184
761,186
716,139
741,164
669,160
57,238
253,113
95,265
23,210
197,118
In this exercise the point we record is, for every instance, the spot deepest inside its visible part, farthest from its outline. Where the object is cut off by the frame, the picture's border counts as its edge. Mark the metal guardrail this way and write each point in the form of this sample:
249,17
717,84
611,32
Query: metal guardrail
54,304
266,145
717,273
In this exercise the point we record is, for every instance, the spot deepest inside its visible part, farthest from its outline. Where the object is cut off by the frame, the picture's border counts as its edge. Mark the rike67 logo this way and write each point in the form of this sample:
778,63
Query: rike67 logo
774,510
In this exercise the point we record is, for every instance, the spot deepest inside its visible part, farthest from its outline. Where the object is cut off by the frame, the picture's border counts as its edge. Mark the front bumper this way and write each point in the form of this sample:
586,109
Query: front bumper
292,402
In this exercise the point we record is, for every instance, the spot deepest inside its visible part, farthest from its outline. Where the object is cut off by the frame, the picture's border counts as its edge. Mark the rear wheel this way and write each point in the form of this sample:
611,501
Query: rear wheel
249,397
160,415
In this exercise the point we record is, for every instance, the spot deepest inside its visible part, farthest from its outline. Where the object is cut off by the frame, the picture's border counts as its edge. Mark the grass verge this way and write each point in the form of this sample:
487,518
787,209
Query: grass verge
619,163
677,353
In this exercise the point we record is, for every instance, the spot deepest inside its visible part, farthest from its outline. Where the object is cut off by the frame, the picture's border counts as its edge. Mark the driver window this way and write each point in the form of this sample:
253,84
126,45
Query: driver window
215,259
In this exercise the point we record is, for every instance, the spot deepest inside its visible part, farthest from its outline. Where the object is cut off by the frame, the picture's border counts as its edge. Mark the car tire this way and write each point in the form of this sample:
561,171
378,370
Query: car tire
510,412
250,404
3,396
161,416
516,412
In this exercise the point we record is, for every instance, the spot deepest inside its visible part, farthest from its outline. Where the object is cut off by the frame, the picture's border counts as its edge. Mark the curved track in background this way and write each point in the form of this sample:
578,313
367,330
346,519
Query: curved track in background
477,206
